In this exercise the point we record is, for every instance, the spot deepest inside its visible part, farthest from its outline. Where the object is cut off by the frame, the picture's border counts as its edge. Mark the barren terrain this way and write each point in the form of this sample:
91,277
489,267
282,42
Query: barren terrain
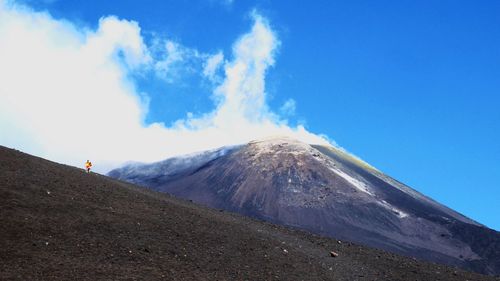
59,223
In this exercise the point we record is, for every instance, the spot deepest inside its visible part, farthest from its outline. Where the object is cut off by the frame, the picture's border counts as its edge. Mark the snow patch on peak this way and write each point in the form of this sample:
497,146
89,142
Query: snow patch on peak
363,187
393,209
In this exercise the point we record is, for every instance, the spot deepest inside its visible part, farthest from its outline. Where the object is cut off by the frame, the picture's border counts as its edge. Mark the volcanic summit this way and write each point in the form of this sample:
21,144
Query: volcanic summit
327,191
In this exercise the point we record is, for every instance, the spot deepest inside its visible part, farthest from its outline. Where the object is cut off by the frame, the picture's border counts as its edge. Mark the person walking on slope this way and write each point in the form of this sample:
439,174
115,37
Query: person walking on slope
88,165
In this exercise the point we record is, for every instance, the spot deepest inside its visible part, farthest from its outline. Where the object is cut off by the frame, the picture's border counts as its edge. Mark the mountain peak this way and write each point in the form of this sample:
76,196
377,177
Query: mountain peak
59,222
279,145
325,190
276,138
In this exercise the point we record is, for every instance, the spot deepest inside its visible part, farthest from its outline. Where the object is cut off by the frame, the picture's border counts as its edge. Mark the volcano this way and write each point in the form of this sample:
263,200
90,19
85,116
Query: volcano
61,223
327,191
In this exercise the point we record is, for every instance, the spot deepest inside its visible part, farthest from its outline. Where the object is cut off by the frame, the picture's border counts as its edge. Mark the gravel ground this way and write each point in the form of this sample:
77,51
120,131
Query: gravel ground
59,223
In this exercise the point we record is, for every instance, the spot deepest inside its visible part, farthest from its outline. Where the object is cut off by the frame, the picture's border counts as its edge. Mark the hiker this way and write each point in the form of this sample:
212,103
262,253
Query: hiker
88,165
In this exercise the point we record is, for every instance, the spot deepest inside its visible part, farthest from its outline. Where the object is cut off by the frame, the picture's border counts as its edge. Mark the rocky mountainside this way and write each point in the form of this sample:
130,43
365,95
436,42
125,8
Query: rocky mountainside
326,191
60,223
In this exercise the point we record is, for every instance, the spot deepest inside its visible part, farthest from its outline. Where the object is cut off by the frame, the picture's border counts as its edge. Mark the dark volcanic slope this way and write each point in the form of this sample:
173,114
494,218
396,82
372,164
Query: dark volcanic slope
329,192
59,223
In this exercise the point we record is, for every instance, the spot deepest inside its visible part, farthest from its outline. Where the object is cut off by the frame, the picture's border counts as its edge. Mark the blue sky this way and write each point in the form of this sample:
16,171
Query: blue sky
411,87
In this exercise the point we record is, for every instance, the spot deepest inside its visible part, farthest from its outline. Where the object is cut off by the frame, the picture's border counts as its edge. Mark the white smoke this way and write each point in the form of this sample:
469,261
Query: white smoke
212,65
288,108
66,92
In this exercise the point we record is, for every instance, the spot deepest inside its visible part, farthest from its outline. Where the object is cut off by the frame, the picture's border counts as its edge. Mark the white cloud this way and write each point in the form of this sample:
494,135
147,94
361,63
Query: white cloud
67,92
288,108
212,65
173,60
116,37
242,114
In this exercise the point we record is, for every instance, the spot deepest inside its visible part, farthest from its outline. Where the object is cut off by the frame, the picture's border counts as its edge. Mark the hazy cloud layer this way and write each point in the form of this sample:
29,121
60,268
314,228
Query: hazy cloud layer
67,92
212,65
288,108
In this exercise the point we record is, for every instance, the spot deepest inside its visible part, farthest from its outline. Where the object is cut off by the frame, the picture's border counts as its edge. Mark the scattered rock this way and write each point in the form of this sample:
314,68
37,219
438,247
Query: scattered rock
224,246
